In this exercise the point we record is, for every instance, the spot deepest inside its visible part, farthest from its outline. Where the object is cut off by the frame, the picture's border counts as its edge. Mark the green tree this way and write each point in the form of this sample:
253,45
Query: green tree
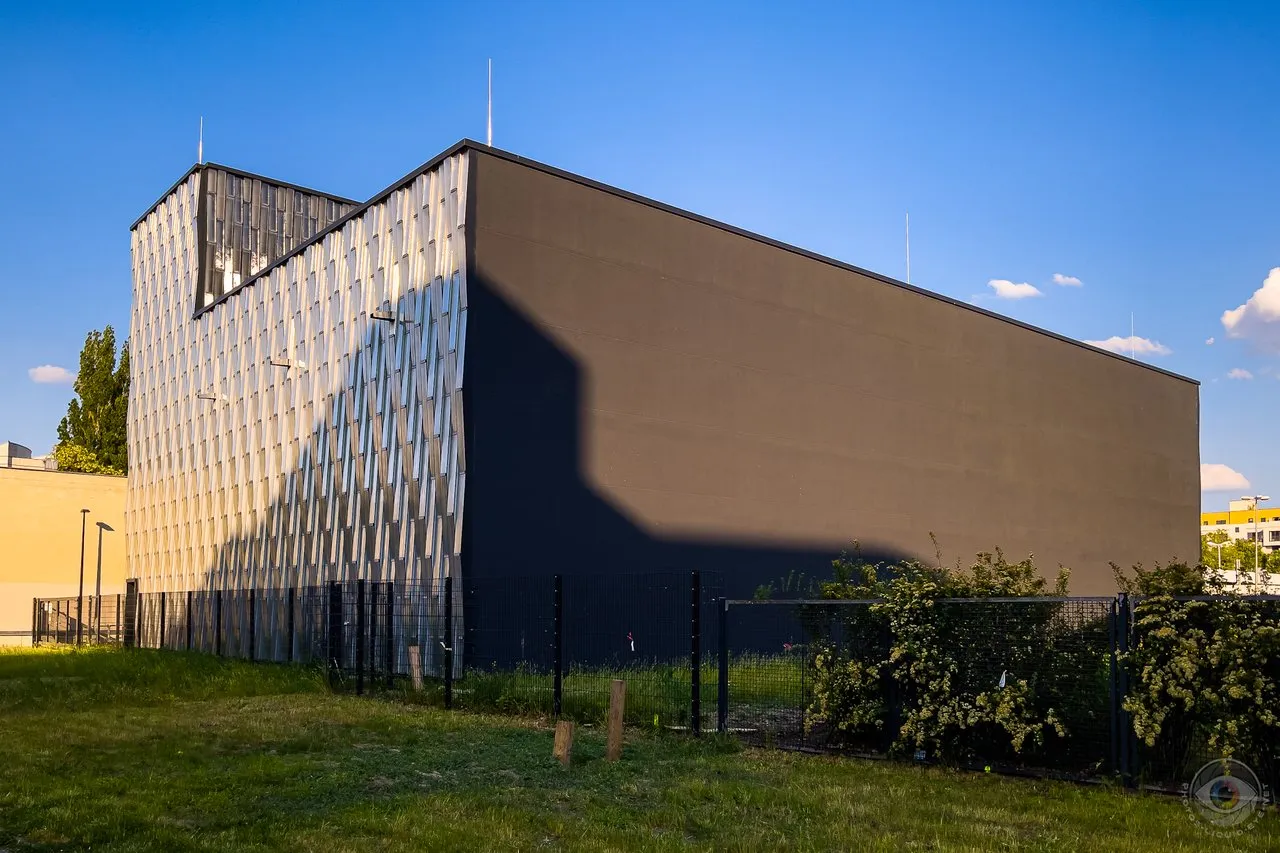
96,420
1235,552
73,457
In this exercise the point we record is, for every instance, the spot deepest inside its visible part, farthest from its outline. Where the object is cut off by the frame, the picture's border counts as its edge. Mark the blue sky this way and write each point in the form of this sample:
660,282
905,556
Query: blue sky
1130,146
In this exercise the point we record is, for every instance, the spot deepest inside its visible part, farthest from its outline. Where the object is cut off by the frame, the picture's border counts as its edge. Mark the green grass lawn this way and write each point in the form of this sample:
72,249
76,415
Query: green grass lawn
142,751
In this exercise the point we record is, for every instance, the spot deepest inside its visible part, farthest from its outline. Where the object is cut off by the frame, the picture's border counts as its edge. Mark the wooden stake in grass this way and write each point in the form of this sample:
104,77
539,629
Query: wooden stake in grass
617,704
562,750
415,668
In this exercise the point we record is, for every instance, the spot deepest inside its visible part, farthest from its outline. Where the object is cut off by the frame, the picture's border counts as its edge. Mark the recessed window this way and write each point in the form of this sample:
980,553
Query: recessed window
1274,536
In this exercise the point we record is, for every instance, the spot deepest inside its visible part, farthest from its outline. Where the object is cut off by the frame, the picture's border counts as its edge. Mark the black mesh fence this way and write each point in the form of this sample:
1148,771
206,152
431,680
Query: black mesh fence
810,674
830,675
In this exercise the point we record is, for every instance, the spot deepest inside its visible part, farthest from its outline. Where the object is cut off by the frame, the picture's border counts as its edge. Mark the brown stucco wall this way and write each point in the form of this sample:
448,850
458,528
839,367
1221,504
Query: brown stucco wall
40,538
747,400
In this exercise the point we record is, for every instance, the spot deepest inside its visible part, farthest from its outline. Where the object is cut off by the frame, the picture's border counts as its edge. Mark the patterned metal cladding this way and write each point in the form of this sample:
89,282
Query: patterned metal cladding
308,427
248,222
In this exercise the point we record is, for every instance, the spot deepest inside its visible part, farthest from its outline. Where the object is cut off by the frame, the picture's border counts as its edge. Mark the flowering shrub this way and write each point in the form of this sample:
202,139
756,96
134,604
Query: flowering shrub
1204,673
945,682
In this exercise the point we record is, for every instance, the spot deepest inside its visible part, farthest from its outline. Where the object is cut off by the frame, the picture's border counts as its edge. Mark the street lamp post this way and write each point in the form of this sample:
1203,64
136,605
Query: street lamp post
1257,559
97,597
84,517
1219,546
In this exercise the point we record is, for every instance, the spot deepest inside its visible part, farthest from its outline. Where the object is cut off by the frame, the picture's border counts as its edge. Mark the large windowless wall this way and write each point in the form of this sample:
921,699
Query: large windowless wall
647,390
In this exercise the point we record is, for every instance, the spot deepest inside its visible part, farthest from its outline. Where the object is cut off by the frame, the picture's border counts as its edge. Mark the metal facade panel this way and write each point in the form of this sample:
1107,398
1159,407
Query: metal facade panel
286,436
249,222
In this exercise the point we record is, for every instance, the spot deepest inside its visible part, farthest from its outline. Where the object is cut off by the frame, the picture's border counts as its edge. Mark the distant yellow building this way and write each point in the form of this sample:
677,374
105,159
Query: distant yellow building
1244,520
40,536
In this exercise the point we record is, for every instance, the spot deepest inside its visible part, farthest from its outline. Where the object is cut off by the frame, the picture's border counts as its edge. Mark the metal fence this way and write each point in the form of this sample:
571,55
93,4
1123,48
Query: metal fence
1070,652
696,661
1062,647
87,620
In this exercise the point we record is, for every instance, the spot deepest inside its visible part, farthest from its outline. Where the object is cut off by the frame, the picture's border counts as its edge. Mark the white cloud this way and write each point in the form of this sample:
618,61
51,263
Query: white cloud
51,374
1239,373
1258,319
1133,344
1216,477
1208,342
1006,289
1067,280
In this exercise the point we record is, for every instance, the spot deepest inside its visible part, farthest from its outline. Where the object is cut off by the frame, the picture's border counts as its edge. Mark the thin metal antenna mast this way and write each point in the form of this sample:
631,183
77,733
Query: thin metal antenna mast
908,248
489,134
200,145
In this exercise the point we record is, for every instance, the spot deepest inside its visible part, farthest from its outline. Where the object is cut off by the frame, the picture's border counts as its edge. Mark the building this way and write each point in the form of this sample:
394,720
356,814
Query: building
40,527
493,367
1244,520
14,455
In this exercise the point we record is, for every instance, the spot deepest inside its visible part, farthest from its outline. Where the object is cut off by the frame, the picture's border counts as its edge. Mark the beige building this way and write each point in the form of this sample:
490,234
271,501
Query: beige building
40,536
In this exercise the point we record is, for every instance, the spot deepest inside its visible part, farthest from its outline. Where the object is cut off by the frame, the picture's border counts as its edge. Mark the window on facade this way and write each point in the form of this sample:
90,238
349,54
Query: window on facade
1221,521
1237,530
244,237
1274,536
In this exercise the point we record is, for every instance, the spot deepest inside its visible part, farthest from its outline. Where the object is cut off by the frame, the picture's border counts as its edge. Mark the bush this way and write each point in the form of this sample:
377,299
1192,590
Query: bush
1205,673
948,684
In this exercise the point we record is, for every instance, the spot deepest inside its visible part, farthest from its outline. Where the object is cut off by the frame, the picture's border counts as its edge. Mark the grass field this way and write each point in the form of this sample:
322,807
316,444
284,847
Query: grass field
160,751
658,692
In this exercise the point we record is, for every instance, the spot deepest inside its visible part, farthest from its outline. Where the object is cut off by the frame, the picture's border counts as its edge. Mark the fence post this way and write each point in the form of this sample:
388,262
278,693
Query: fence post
163,615
1126,728
448,647
130,638
722,684
391,635
253,624
695,653
119,639
217,622
188,619
360,636
289,628
35,610
1114,687
336,644
373,633
557,696
335,631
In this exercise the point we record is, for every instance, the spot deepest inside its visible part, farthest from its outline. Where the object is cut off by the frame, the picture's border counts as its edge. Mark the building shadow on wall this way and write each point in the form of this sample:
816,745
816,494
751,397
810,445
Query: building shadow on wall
529,514
529,506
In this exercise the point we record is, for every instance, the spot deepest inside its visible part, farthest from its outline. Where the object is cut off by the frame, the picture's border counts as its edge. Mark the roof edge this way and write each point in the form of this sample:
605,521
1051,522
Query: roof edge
778,244
378,197
243,174
470,144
